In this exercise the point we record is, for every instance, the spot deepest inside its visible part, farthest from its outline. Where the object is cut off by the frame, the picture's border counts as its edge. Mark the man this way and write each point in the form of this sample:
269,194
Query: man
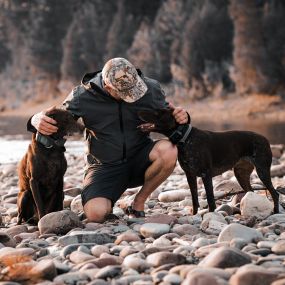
120,156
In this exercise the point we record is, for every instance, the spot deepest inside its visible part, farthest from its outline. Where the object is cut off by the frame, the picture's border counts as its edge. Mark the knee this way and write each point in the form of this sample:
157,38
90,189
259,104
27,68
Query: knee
97,209
167,153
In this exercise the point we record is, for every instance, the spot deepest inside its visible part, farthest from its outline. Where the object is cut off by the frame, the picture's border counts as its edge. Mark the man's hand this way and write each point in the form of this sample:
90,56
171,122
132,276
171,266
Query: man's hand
180,114
44,124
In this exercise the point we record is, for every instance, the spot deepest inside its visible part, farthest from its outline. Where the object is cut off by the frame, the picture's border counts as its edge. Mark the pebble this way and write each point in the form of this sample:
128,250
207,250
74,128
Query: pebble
225,208
109,271
255,205
185,229
7,240
251,275
172,279
277,170
161,219
97,250
59,222
136,262
239,231
160,258
173,196
72,278
213,223
200,279
225,257
235,245
87,237
279,247
128,237
227,186
73,191
45,269
13,255
76,204
154,230
80,257
15,230
279,282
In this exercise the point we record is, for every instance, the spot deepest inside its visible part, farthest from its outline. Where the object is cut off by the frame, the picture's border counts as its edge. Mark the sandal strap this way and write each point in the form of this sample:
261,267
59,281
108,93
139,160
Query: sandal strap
136,213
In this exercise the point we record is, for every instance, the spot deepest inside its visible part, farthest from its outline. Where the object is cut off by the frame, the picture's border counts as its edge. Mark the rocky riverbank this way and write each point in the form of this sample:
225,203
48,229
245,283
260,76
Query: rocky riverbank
241,243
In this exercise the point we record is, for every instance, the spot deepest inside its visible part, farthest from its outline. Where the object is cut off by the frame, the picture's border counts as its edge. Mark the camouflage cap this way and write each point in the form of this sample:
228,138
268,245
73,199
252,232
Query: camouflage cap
122,77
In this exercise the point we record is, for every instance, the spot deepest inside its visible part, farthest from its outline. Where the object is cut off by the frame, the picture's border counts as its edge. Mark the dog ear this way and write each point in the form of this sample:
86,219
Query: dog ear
51,110
189,118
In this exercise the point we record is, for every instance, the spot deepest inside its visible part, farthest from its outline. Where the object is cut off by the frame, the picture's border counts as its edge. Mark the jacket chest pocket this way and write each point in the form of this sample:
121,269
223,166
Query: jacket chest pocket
101,117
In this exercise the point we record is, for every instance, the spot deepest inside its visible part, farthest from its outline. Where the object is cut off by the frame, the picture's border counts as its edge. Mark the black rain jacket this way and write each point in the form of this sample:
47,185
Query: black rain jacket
112,132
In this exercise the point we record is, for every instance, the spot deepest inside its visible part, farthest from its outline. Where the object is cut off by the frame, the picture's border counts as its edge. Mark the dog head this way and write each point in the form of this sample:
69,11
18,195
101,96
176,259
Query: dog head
66,123
159,120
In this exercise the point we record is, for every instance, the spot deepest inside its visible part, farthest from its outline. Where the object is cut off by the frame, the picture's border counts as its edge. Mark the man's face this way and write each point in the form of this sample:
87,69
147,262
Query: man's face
112,92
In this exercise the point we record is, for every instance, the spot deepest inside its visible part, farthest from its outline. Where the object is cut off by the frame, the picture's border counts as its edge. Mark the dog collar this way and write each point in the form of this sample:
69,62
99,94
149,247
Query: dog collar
49,142
180,134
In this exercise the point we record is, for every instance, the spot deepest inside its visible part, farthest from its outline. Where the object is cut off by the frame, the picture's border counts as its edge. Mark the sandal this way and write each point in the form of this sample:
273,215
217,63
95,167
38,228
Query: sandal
111,217
135,213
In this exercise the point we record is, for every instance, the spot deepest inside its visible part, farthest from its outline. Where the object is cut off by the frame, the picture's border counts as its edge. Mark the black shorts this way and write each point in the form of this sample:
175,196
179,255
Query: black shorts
112,180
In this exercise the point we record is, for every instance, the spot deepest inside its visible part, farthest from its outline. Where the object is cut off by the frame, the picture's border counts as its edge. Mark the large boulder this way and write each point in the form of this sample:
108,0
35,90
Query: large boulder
59,222
254,205
239,231
225,257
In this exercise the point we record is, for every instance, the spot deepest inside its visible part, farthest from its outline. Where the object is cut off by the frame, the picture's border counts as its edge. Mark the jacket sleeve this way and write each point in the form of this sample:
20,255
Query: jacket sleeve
159,99
71,104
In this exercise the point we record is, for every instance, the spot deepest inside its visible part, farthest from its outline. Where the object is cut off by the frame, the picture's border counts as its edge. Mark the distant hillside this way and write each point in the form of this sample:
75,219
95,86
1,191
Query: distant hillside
199,48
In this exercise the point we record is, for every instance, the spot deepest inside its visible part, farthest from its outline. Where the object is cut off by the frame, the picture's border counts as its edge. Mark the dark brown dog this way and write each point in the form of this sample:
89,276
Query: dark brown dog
42,169
206,154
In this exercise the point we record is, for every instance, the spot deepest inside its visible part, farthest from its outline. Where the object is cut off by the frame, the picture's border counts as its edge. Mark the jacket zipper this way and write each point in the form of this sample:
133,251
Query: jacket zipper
122,131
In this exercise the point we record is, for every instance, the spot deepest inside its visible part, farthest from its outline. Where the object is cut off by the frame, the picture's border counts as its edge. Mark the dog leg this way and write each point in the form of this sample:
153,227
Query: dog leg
208,184
55,202
192,182
264,175
242,171
37,197
25,207
59,196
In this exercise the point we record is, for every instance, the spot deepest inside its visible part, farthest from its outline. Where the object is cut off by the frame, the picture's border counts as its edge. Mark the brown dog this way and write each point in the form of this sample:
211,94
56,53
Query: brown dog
42,169
207,154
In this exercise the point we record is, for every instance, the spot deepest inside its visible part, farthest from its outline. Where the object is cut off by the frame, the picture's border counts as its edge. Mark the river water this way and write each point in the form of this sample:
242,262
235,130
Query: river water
14,139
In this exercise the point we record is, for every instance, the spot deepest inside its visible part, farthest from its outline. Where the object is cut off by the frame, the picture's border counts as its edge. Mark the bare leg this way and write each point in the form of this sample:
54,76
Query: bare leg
163,157
97,209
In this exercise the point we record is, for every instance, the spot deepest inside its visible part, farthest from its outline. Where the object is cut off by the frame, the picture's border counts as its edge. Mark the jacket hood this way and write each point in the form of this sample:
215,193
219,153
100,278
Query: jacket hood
93,82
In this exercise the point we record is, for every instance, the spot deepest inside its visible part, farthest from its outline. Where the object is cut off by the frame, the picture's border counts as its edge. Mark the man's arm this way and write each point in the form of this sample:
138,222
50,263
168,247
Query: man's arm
45,125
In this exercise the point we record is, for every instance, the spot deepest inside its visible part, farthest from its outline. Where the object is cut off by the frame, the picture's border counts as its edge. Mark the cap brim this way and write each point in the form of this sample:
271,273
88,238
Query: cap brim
135,93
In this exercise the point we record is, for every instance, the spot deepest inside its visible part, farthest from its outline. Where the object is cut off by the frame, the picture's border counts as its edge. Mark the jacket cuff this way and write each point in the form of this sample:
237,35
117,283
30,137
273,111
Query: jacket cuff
189,118
30,127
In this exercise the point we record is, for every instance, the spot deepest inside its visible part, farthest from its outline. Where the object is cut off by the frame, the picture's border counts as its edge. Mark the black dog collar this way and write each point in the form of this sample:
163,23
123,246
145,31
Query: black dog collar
49,142
180,134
